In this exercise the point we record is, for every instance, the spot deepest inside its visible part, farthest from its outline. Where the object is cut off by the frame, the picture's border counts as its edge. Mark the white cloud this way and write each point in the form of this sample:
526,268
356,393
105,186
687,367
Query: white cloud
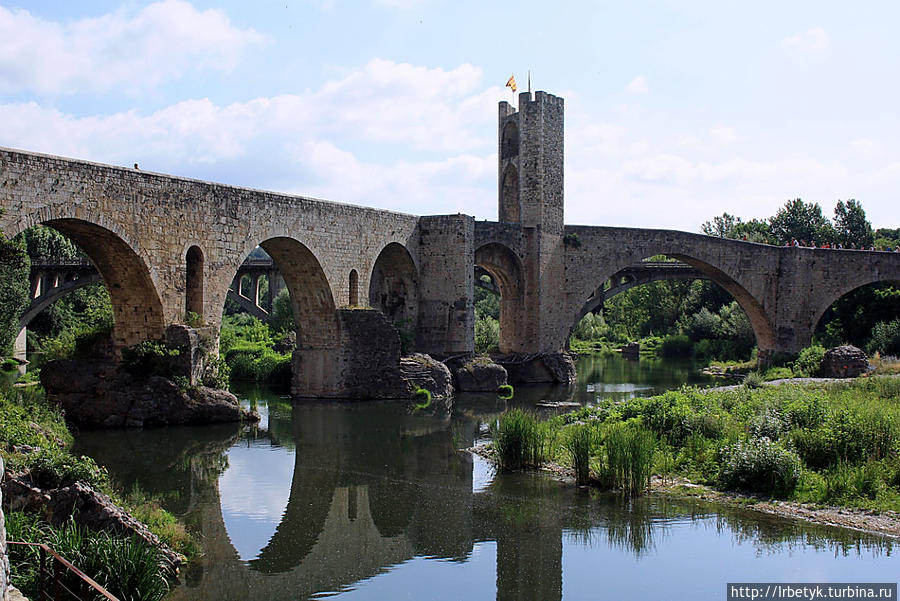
812,41
133,51
345,141
638,85
423,141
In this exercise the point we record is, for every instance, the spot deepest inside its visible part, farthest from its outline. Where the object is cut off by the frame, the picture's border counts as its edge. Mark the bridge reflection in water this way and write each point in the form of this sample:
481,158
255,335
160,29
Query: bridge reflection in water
375,504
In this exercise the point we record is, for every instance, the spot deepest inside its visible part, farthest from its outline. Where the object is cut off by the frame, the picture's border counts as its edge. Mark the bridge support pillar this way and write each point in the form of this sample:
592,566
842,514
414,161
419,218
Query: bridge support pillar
446,324
20,347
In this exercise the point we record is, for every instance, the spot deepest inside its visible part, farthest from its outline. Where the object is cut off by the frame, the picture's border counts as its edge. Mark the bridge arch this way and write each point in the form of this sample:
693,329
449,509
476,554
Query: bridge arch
137,307
763,328
506,269
394,286
845,287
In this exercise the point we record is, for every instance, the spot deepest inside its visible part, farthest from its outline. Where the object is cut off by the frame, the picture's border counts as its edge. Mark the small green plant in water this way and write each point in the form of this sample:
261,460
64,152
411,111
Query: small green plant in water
506,391
424,397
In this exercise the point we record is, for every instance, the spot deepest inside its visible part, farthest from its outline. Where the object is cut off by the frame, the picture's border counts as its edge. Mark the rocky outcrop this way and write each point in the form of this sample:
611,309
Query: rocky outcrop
97,512
844,362
85,506
632,350
4,560
94,395
421,371
476,373
541,367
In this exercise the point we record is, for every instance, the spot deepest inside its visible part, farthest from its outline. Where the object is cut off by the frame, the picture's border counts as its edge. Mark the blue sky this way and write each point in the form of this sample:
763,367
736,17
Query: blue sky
675,111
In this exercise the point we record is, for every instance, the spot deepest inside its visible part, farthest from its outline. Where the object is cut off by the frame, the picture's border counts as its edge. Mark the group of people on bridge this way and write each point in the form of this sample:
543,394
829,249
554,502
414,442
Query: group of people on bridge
839,246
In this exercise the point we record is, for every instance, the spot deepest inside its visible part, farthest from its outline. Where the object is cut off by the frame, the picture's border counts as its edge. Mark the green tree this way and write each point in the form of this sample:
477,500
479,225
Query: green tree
14,269
729,226
721,226
851,226
801,220
42,242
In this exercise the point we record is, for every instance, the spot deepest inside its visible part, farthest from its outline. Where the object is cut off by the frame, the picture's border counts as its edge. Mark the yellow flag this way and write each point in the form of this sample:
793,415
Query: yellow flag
511,83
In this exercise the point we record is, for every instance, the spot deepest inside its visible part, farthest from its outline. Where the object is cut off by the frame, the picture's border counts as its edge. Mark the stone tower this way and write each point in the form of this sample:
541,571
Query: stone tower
531,195
531,162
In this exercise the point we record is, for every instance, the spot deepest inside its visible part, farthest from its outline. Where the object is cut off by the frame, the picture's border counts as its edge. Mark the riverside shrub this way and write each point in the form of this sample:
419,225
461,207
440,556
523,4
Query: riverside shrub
759,465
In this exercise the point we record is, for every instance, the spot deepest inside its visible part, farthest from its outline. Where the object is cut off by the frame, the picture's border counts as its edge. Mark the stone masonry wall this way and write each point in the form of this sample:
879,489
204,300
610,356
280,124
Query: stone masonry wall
446,286
157,218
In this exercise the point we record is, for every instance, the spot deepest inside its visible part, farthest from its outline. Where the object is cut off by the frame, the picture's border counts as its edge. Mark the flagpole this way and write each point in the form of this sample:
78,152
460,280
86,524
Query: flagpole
529,82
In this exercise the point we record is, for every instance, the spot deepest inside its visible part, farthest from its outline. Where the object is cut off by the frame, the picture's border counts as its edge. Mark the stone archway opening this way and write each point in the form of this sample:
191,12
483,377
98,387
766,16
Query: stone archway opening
193,286
394,290
853,318
680,296
136,306
354,288
506,274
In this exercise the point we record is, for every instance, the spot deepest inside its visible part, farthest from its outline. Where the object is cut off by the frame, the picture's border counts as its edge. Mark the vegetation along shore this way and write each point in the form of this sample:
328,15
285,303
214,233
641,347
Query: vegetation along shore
823,451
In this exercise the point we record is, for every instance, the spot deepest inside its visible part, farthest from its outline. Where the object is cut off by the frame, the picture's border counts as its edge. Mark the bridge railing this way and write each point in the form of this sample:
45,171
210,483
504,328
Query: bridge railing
60,262
56,581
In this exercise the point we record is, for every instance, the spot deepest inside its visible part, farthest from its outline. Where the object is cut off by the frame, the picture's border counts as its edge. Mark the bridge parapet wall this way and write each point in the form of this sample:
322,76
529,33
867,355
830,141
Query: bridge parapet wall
158,218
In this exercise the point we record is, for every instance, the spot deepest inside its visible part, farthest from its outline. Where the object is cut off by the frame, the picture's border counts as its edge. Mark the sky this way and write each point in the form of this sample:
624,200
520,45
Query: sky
676,111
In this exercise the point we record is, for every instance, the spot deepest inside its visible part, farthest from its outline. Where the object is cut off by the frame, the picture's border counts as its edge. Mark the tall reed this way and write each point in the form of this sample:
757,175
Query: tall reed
578,441
127,567
519,440
628,454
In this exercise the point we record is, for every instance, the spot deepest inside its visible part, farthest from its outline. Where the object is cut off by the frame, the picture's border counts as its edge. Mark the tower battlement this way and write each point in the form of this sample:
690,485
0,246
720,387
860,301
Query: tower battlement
530,155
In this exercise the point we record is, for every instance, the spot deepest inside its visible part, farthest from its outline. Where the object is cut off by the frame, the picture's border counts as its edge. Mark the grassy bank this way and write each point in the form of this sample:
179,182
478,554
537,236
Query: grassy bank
34,439
829,444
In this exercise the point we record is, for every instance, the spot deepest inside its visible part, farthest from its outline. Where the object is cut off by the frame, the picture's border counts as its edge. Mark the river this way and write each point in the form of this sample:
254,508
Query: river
365,502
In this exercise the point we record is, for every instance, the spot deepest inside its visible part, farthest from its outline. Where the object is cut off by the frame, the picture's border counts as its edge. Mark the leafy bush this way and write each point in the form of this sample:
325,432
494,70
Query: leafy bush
759,465
149,358
809,363
53,468
487,334
816,447
676,345
258,363
885,338
768,424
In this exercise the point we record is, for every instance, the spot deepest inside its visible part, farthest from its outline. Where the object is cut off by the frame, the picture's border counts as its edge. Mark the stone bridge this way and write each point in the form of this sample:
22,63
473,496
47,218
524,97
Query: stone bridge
167,247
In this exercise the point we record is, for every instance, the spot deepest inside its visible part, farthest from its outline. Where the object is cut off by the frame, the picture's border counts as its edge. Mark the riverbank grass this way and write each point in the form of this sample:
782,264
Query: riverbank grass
34,439
820,443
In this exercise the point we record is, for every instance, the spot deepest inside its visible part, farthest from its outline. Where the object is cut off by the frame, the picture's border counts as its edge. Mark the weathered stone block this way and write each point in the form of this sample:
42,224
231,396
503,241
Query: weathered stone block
844,362
476,374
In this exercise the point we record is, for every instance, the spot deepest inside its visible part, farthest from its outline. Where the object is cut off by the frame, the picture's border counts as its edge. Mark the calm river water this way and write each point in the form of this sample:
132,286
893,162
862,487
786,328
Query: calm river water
365,502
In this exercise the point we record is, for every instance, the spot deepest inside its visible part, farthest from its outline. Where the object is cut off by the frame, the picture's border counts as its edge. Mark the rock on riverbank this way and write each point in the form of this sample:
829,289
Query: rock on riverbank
99,396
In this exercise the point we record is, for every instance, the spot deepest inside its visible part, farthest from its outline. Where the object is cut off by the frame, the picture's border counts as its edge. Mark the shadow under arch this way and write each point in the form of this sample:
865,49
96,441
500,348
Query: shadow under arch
850,289
763,328
394,286
315,319
506,269
137,307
